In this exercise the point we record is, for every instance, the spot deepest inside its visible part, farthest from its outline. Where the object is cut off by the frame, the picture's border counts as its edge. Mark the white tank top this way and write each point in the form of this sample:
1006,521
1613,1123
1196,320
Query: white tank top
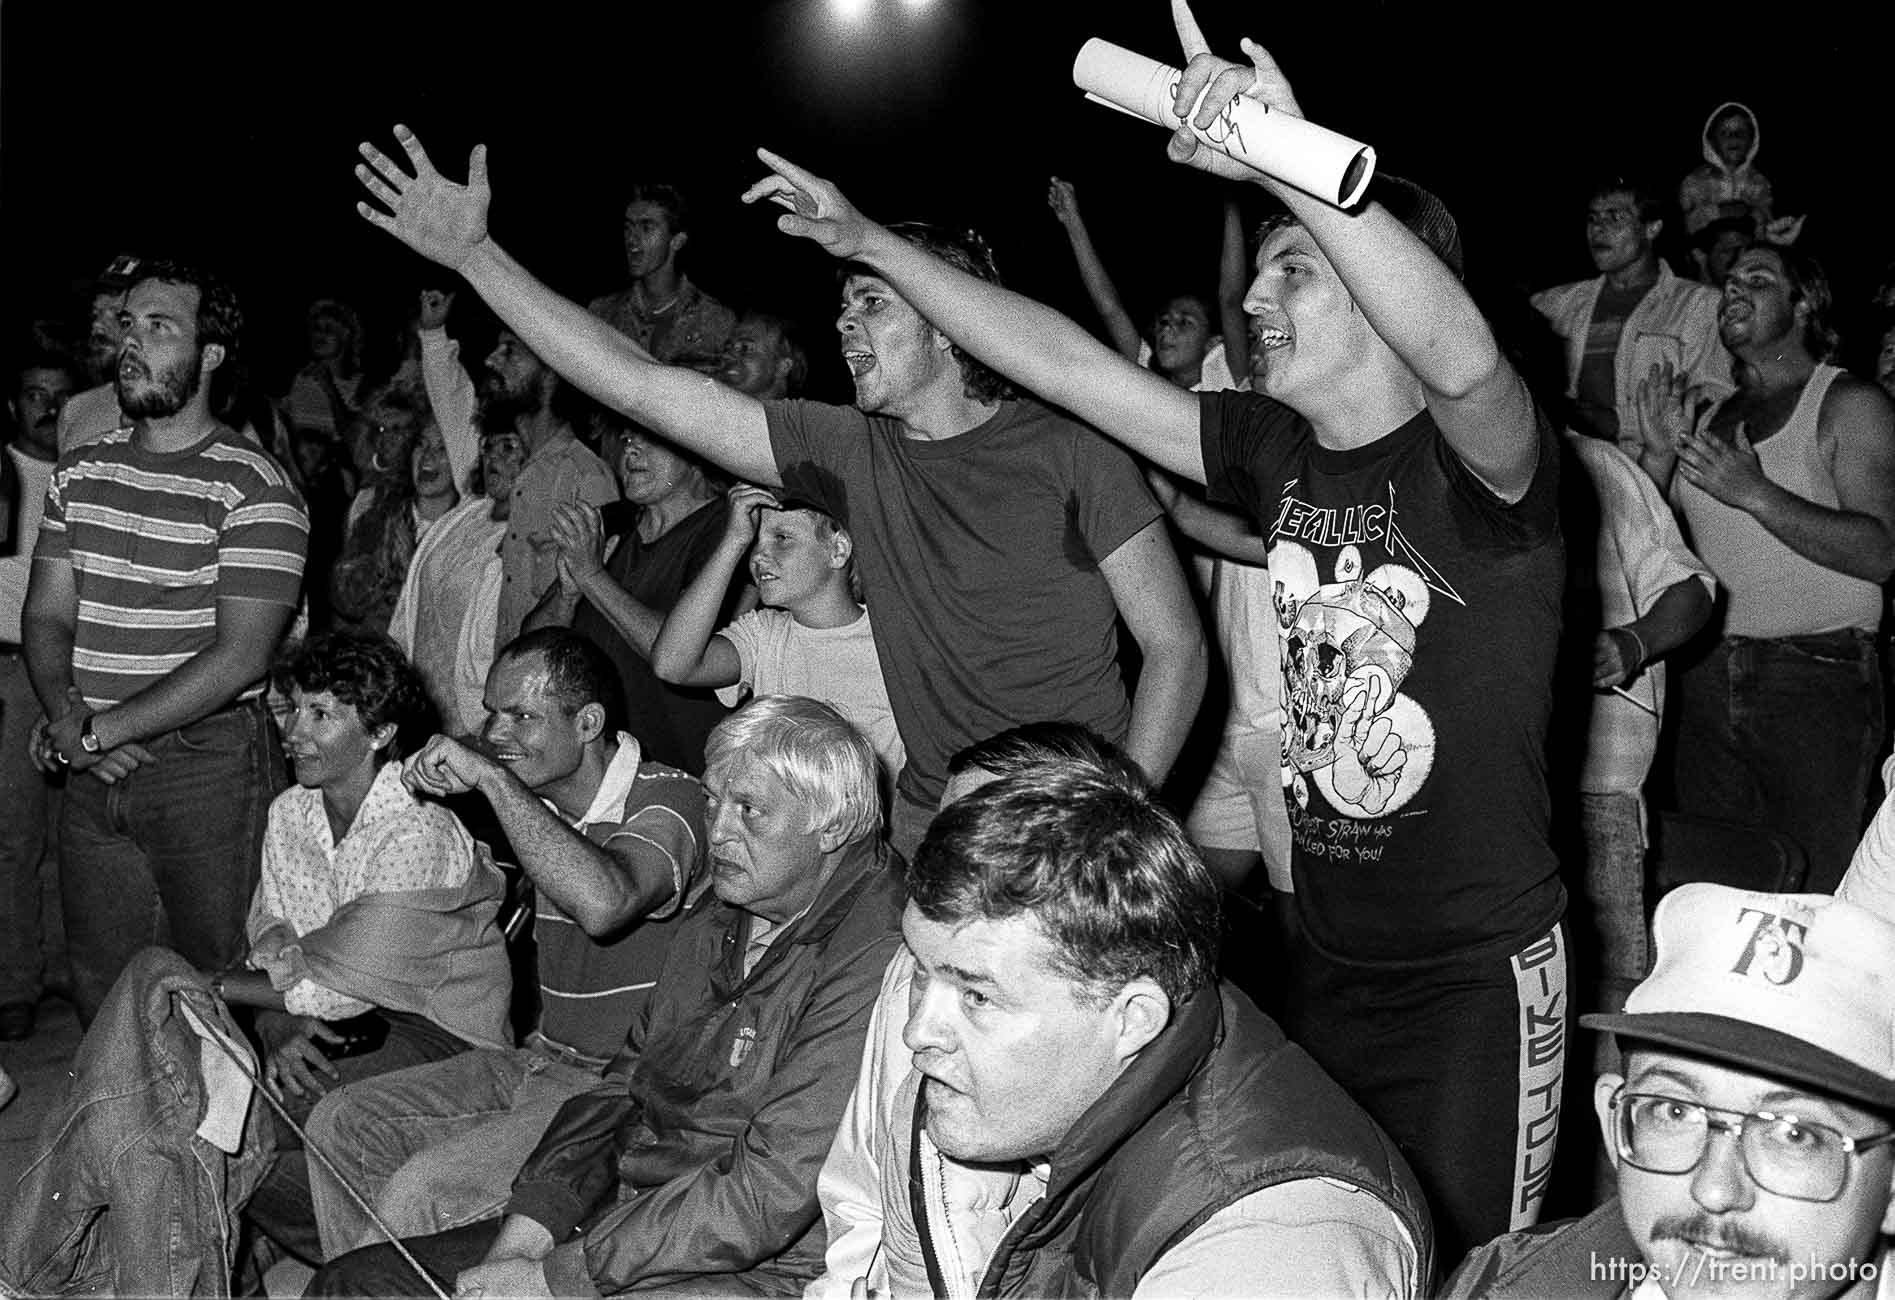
1773,591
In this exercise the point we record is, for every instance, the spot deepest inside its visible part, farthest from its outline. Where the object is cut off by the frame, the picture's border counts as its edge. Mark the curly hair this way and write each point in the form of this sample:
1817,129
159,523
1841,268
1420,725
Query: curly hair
368,671
1103,868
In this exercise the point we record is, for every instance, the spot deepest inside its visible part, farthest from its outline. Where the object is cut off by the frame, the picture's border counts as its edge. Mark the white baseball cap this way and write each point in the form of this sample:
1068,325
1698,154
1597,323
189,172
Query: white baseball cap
1799,987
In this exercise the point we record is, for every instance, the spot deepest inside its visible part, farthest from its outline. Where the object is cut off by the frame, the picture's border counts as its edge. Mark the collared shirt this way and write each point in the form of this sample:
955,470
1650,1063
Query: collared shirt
561,470
694,324
396,843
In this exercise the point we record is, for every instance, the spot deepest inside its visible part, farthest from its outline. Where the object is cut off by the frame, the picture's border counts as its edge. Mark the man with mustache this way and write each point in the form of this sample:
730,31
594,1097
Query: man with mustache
168,567
1751,1127
1788,489
44,382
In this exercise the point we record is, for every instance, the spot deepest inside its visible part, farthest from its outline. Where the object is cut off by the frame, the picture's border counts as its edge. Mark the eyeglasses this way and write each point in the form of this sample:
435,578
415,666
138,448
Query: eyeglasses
1791,1157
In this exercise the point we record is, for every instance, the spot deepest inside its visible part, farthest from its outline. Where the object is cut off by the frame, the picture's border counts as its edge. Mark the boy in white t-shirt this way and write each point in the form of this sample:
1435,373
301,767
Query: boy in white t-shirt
812,636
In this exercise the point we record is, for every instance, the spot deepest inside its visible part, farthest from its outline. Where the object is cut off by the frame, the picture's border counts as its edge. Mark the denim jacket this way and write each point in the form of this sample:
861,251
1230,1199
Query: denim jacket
121,1197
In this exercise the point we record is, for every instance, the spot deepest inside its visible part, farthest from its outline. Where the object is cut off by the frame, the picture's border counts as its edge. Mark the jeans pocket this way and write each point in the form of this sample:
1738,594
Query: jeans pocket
220,733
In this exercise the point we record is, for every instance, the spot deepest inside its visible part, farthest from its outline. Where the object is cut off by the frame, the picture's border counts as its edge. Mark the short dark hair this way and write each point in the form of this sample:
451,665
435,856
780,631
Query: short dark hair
1809,284
967,251
578,672
787,346
1037,744
219,315
1106,871
41,358
1645,200
368,671
668,197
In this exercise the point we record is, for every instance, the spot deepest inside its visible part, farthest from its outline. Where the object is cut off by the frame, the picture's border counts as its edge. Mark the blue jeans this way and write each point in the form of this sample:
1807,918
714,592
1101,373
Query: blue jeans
29,902
436,1146
170,854
1617,928
1782,733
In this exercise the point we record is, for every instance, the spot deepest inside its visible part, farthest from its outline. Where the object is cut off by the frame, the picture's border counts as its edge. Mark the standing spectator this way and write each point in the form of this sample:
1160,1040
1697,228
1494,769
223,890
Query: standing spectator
94,412
661,310
27,862
998,564
152,675
1728,175
322,396
1788,488
1634,315
373,565
1408,488
523,393
812,637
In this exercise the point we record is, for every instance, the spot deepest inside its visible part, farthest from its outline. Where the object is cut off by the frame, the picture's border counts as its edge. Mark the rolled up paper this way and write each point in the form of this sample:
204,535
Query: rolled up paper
1314,159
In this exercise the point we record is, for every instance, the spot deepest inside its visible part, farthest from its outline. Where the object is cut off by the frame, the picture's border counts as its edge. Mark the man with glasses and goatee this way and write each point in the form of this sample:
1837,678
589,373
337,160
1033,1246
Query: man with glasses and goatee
1751,1131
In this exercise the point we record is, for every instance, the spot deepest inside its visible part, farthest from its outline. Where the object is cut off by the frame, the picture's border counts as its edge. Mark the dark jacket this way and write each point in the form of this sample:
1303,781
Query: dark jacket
121,1197
1594,1257
699,1152
1220,1106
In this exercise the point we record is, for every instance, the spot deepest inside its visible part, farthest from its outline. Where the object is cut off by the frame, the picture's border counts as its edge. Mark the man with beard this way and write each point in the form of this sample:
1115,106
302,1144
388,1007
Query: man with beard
1788,487
1000,541
662,311
1634,315
168,566
93,413
614,846
519,391
1750,1127
45,382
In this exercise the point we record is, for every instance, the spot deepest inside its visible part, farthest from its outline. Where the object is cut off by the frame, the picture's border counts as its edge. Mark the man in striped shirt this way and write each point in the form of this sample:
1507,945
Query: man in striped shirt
169,562
614,845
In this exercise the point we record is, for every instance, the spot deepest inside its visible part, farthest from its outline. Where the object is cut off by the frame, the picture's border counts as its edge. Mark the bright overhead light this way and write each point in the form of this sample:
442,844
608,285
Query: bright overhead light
851,10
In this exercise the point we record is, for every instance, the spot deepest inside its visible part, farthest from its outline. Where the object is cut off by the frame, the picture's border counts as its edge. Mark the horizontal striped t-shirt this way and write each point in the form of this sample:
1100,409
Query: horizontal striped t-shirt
590,990
155,539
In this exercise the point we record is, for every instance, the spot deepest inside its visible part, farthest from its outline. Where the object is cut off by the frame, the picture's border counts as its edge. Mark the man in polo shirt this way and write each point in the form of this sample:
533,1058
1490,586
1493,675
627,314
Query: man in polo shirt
613,845
1750,1126
692,1166
168,566
521,392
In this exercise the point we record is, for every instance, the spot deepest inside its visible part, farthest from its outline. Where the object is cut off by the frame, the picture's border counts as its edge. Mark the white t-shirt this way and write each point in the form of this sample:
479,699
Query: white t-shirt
837,665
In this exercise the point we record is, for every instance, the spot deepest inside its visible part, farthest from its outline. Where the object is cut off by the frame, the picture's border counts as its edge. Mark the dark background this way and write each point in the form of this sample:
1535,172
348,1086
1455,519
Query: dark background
228,133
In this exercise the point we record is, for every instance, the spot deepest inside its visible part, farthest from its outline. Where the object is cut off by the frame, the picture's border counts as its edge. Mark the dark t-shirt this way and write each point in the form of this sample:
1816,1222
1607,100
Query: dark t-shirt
979,557
670,722
1419,619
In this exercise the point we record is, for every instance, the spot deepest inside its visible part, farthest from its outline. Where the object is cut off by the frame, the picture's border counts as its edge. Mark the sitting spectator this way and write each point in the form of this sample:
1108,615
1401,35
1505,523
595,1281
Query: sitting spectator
1750,1123
613,845
1634,315
368,903
373,564
1788,489
662,310
812,637
1061,938
1729,174
693,1165
322,397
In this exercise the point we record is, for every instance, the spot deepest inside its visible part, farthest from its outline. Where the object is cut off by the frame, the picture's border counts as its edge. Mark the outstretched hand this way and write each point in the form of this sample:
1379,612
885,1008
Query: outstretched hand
440,220
817,209
1220,82
1063,200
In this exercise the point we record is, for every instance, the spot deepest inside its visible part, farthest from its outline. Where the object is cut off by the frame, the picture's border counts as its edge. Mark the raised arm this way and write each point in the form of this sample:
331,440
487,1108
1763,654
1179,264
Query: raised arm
1033,345
1061,197
447,223
1219,531
688,650
449,387
1413,301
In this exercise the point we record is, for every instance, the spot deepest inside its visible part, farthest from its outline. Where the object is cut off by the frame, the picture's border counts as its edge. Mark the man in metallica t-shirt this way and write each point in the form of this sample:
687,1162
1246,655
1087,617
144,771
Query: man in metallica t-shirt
1406,487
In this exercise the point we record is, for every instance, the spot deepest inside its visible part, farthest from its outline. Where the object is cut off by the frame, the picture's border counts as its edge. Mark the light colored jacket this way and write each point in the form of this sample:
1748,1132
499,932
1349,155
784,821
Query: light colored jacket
1715,182
1676,322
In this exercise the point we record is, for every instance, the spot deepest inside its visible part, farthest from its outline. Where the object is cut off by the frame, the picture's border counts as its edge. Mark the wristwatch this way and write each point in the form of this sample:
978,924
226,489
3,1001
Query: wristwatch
88,738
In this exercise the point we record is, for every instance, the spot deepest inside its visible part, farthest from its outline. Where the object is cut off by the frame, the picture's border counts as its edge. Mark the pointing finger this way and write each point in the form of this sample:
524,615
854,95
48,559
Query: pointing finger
1190,35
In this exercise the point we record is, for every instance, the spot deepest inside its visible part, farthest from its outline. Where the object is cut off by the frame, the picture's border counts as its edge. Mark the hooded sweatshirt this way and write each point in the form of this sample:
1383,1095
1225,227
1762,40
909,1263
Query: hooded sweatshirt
1716,182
